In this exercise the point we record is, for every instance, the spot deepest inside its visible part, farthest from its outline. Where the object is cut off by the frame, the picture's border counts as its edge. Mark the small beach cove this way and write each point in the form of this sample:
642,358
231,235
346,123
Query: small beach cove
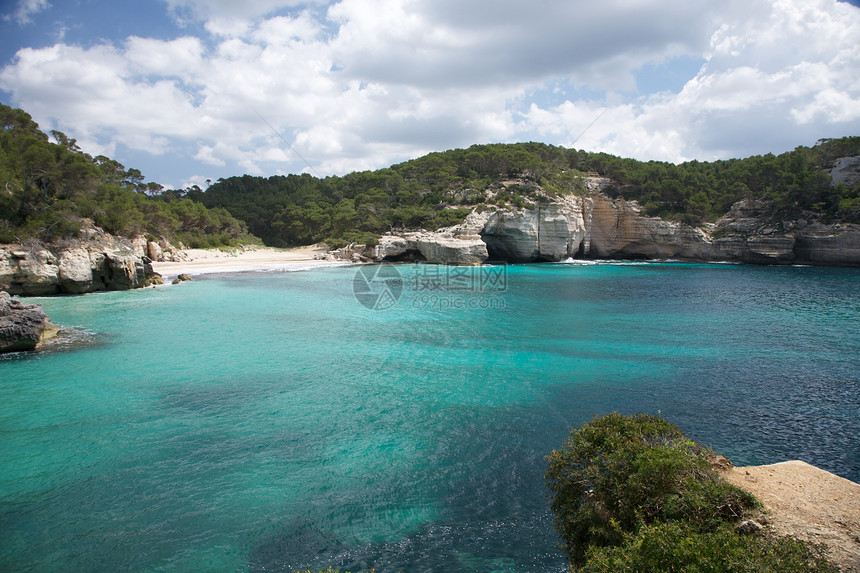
197,262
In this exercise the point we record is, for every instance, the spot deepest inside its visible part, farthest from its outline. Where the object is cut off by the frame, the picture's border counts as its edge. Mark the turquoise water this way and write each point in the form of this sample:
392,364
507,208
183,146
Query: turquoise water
266,422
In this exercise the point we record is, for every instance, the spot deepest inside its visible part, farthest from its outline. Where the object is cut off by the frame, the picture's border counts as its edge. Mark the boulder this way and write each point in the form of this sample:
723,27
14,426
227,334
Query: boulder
153,279
23,326
438,248
154,251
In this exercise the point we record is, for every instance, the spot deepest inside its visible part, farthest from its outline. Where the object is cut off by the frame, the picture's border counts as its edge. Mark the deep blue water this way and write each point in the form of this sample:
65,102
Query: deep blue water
268,422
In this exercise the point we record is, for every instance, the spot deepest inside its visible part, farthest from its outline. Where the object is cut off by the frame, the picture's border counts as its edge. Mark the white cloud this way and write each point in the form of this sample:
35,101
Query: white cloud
783,78
371,82
25,10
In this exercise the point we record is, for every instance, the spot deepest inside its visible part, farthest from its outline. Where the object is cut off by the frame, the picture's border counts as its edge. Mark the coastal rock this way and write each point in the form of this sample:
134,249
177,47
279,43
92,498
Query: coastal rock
31,271
96,261
139,246
153,279
390,247
123,271
75,271
23,326
595,225
835,244
451,250
551,230
618,229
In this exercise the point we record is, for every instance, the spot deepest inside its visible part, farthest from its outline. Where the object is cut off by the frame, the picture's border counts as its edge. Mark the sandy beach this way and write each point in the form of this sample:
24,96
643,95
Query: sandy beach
208,261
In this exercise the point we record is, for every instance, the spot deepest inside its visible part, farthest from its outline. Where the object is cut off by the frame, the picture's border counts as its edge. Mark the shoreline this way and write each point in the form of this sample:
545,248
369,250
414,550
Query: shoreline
212,261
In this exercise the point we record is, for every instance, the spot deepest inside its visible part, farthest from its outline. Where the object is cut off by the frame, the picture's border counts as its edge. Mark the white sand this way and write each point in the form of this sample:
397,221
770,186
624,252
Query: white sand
208,261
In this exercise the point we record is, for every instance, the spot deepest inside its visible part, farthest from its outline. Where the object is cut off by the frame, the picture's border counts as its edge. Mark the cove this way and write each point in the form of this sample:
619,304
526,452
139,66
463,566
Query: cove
275,421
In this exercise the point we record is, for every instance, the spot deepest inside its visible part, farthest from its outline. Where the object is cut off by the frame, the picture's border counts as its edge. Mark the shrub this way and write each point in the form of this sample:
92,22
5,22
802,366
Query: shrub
616,473
675,546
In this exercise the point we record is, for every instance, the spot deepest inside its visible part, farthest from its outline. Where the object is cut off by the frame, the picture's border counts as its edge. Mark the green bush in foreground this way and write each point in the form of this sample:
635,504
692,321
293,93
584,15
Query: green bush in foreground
674,546
633,494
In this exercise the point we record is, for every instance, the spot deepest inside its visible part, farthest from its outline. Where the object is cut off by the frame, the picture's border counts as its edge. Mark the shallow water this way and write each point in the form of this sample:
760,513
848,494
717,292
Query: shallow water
271,421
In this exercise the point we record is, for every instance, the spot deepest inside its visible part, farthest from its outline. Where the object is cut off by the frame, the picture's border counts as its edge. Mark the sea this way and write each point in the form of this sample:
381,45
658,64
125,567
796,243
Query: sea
397,417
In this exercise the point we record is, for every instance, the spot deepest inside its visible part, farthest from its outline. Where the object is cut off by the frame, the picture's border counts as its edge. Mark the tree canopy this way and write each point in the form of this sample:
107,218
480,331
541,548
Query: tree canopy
48,187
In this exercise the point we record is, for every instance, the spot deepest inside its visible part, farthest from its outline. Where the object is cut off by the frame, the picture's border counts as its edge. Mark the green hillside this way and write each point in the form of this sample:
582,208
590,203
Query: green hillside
47,189
440,188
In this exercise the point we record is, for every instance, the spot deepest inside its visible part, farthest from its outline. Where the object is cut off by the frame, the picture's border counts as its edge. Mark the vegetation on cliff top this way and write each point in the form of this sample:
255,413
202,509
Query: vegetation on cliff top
634,494
440,188
47,189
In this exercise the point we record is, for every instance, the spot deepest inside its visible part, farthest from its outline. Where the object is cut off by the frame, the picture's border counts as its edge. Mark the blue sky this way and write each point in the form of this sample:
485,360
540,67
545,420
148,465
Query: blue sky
190,90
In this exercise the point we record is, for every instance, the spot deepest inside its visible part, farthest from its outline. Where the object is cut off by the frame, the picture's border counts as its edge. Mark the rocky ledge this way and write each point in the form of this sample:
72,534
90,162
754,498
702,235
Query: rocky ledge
23,326
95,261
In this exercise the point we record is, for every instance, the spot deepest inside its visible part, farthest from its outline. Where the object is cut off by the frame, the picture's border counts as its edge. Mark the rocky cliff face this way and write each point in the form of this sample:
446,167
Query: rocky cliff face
596,226
23,326
550,231
96,261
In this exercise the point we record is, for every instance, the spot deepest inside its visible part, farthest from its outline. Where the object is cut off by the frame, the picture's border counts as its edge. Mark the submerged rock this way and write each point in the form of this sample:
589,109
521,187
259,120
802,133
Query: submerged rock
23,326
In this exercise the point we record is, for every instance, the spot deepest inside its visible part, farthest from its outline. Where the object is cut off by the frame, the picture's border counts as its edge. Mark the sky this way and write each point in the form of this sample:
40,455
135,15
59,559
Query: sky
193,90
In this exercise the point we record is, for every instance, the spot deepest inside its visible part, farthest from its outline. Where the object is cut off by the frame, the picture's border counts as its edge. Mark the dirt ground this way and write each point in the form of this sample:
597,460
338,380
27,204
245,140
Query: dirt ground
808,503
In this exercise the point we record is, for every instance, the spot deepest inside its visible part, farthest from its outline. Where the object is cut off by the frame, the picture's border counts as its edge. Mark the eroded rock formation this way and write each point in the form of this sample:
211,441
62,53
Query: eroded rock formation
96,261
23,326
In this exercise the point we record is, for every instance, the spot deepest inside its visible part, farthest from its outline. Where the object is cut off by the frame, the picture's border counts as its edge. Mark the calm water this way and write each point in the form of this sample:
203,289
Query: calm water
265,422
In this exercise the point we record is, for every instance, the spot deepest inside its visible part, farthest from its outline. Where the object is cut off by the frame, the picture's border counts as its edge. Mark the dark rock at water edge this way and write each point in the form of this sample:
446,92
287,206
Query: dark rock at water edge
23,326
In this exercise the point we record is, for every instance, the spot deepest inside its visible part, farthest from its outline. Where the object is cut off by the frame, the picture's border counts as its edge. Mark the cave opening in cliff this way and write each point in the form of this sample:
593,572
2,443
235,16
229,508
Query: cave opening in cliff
410,256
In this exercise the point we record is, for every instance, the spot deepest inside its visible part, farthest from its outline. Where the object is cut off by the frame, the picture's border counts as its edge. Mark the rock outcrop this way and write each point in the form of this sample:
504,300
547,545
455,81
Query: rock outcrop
846,171
23,326
617,229
551,230
96,261
461,244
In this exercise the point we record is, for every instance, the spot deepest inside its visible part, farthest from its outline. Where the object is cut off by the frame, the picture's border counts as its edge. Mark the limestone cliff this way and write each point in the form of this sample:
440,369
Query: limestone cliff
594,225
551,230
96,261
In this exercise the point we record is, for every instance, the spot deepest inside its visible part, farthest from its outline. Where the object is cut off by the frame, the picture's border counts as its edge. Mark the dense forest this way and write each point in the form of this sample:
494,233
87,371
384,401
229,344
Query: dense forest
48,187
440,188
